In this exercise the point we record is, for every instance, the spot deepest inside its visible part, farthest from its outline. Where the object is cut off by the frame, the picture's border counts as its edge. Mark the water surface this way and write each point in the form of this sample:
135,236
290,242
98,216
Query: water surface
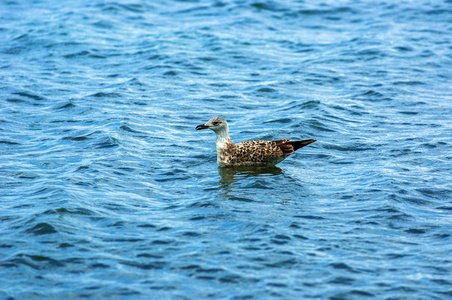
108,191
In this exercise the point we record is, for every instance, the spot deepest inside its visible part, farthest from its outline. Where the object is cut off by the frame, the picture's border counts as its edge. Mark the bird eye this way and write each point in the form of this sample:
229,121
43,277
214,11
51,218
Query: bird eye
215,123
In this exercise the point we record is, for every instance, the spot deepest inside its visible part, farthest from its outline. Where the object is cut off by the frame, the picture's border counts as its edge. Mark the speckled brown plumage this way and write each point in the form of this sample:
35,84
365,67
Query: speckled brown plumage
249,153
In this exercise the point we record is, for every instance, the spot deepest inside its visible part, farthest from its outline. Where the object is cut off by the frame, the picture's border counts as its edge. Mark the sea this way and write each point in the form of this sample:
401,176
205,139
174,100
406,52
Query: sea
107,191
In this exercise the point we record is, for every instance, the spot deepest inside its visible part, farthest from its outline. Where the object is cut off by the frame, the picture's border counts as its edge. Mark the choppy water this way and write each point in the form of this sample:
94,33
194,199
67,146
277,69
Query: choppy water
107,191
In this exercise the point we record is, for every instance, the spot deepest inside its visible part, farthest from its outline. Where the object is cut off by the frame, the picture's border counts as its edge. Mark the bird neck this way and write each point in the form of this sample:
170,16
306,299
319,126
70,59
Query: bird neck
223,138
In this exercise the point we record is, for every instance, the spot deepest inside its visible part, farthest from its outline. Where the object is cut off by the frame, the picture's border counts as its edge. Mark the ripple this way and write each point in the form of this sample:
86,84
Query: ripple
68,105
106,95
77,54
106,142
9,143
41,229
266,90
107,189
29,95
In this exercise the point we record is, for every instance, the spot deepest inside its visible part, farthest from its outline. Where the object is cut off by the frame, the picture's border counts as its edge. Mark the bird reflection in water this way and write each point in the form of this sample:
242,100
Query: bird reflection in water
230,175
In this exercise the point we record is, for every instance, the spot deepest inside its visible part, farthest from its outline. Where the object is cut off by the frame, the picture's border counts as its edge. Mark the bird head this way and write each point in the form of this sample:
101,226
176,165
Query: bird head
217,124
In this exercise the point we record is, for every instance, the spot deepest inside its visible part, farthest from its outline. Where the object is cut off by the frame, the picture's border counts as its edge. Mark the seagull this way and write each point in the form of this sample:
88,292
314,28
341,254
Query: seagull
249,153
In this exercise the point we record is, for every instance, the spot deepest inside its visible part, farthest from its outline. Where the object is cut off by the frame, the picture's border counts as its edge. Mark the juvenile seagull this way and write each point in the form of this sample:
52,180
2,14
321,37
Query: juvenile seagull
249,153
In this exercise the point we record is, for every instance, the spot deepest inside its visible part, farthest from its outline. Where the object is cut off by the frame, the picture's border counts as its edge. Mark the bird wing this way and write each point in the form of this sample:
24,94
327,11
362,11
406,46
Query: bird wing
262,151
285,145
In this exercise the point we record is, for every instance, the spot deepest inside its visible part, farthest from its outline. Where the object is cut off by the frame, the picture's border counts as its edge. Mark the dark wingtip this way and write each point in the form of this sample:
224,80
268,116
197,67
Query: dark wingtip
300,144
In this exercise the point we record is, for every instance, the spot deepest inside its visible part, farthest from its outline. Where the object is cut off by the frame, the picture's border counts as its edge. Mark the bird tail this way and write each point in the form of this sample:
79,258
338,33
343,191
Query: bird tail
300,144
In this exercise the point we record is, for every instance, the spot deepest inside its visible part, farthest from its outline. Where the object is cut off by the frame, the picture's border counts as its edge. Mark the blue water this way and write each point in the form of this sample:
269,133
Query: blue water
108,191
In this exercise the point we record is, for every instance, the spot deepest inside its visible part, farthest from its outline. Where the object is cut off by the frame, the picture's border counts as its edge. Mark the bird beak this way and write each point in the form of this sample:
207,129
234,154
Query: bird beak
202,126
